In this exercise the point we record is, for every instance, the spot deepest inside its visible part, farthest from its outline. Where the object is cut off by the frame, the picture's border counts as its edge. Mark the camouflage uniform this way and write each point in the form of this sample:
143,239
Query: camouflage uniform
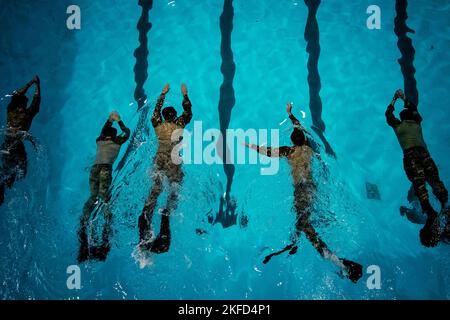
420,169
14,160
418,164
164,168
100,182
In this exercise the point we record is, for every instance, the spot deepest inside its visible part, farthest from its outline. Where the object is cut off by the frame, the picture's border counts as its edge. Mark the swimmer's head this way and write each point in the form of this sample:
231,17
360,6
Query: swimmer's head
19,101
298,137
169,114
406,114
110,132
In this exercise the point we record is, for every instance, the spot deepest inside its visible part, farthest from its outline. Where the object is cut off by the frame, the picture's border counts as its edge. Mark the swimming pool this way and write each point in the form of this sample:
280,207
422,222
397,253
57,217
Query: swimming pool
89,72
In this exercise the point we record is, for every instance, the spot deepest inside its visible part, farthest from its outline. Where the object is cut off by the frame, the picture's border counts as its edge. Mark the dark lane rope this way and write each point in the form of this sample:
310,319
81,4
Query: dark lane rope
227,98
407,51
313,49
140,77
406,61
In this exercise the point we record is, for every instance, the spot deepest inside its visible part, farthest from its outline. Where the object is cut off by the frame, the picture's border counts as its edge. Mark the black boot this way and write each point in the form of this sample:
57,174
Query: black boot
354,270
83,253
430,233
161,244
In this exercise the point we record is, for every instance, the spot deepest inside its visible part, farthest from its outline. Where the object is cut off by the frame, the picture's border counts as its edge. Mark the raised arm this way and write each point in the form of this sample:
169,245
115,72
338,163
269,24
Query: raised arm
390,118
186,116
411,106
156,117
108,124
36,102
271,152
125,132
294,120
25,88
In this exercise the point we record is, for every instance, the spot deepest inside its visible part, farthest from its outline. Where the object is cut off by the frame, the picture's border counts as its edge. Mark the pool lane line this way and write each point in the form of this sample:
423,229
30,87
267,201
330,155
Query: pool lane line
227,97
141,53
407,51
311,36
406,61
140,77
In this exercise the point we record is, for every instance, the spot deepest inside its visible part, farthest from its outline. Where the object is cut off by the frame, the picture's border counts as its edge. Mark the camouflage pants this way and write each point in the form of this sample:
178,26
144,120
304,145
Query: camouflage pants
421,169
99,181
13,165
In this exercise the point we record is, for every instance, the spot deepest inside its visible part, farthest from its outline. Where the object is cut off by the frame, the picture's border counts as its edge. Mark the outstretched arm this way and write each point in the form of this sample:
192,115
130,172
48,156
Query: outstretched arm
156,117
186,117
271,152
390,118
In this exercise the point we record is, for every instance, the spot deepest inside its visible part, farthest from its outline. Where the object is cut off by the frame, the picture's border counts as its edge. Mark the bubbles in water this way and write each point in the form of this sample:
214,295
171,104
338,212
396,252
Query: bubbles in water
143,258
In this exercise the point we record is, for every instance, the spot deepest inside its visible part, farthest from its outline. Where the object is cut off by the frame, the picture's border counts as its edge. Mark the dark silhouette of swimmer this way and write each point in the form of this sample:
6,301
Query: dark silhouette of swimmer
300,159
227,215
108,147
418,164
164,168
414,213
19,119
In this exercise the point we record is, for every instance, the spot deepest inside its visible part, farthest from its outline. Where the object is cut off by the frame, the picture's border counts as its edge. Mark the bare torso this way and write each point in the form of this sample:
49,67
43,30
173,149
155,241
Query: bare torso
300,161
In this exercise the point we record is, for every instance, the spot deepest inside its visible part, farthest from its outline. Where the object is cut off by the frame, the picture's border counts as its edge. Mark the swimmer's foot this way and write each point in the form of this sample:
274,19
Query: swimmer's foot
145,244
354,270
100,253
293,250
83,254
430,233
161,244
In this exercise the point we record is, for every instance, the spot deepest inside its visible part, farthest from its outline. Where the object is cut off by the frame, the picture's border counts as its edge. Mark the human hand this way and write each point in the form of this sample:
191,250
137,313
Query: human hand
183,89
289,108
114,116
166,89
399,94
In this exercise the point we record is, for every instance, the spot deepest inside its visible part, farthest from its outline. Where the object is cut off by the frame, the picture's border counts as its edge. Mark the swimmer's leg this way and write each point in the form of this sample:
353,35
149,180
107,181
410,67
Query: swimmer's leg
432,177
162,242
105,185
101,252
414,165
353,269
304,196
83,253
145,219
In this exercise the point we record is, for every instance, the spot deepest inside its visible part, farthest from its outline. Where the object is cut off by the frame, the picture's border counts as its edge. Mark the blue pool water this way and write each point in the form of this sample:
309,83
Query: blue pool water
87,73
